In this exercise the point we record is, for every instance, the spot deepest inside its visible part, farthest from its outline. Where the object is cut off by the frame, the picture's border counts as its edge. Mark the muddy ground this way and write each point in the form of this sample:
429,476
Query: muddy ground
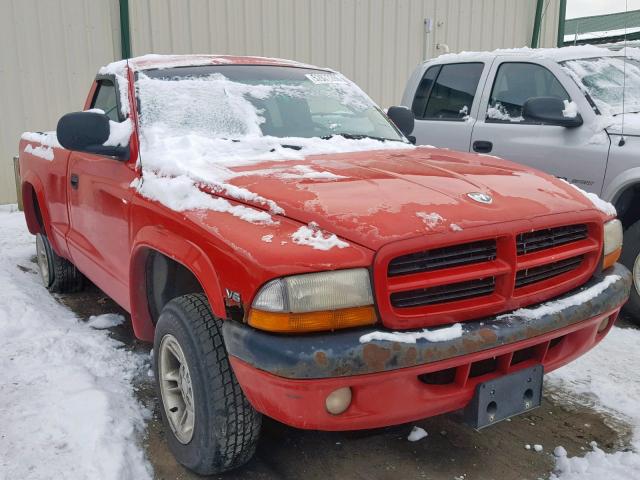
451,450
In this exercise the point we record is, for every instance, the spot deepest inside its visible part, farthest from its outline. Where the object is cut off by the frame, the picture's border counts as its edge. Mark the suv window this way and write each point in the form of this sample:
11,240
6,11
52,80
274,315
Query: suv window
105,99
515,83
446,92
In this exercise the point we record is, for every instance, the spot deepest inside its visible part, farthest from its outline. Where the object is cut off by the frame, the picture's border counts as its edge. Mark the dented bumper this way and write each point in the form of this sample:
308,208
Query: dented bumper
341,354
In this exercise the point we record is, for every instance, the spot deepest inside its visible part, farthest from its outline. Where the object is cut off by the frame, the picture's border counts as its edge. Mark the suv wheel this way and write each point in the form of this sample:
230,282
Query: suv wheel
211,427
631,259
58,274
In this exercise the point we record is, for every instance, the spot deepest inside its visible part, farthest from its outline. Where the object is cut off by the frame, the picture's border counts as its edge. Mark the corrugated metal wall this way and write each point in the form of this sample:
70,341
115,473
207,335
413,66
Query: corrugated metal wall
49,53
51,49
376,43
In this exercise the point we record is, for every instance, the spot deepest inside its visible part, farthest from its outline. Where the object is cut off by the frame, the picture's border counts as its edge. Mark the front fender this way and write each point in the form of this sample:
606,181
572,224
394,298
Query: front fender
31,182
618,184
183,251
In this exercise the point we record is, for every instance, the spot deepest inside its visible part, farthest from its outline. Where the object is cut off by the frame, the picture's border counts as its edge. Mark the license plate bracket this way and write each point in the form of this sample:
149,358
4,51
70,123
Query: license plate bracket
505,397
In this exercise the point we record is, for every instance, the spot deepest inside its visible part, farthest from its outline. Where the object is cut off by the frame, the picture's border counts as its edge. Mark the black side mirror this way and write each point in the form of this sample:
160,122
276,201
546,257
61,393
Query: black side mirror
548,110
403,119
87,132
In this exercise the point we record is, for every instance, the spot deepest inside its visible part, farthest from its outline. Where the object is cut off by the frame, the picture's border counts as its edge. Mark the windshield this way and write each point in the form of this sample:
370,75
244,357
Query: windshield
604,80
236,102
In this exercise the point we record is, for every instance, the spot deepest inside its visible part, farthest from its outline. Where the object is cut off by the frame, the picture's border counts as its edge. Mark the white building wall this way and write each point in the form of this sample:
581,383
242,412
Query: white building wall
376,43
50,49
49,53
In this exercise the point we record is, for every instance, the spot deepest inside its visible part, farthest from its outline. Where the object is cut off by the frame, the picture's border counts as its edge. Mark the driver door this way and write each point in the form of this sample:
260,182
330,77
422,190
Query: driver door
578,155
99,198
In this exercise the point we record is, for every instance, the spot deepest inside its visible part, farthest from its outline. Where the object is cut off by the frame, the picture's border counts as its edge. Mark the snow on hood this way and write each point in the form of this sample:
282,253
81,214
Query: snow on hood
179,155
388,195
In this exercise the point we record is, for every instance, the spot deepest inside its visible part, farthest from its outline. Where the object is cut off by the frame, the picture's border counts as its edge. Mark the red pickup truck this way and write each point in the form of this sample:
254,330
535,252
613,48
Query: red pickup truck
291,253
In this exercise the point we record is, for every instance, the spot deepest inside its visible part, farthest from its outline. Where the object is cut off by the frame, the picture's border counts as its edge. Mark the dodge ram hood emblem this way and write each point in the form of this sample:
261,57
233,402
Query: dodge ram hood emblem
480,197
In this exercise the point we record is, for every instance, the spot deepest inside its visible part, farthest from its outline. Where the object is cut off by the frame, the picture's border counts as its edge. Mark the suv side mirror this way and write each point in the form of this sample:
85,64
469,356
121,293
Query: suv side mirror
87,132
548,110
403,118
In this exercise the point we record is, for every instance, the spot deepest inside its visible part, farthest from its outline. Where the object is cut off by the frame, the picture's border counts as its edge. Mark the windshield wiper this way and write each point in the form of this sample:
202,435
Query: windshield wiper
358,136
616,114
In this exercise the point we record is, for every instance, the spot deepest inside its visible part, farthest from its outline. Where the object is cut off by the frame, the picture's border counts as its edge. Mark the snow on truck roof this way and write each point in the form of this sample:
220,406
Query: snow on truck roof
155,61
555,54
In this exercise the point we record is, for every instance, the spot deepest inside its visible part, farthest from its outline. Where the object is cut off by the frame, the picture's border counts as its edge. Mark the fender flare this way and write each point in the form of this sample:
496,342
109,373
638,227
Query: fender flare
612,191
31,180
177,248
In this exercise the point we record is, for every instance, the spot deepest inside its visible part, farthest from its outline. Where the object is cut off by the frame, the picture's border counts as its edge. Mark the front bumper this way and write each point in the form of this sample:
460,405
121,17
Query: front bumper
289,377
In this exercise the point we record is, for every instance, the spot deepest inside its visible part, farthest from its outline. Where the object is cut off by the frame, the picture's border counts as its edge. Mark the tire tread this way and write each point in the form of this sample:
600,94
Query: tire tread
242,422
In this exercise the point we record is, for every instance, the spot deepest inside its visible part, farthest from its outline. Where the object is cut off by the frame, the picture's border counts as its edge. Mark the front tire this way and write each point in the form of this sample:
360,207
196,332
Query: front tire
630,258
58,274
210,425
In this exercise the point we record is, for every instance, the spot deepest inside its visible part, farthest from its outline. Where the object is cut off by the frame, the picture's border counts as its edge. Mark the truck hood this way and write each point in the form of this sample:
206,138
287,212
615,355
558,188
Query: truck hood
376,197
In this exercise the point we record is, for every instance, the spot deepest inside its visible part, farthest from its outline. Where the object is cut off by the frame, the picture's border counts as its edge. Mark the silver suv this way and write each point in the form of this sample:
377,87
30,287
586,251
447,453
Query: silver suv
573,112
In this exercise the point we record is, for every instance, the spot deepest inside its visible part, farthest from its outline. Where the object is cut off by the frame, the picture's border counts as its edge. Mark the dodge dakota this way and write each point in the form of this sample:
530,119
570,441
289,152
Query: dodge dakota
290,253
572,112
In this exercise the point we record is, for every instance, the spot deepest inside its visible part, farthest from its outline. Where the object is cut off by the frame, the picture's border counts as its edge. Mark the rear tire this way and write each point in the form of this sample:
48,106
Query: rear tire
58,274
210,425
630,258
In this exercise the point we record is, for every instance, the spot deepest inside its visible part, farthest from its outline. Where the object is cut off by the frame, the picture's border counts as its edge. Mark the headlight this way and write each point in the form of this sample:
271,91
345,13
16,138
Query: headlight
314,302
612,242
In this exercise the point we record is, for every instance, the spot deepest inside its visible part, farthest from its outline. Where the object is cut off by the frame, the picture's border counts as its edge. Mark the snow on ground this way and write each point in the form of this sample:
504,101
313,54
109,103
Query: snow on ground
107,320
68,408
417,433
608,379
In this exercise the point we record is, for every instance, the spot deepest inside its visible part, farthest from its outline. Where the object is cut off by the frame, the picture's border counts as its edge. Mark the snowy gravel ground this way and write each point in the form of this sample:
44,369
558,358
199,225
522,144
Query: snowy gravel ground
68,408
607,379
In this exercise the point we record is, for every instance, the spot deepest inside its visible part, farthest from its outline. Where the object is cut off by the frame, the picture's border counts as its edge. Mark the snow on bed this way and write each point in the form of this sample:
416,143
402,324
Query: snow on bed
47,142
606,378
436,335
68,408
314,237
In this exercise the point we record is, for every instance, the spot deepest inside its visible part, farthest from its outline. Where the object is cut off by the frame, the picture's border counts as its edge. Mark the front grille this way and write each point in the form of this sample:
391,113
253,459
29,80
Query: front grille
447,257
444,293
550,270
483,276
530,242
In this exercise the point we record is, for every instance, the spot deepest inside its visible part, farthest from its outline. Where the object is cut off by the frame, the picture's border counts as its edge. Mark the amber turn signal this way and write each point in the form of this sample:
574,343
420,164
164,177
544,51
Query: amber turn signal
281,322
610,259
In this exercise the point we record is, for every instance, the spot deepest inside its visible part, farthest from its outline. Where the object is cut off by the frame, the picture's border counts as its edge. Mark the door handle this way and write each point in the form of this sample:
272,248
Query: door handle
74,181
482,146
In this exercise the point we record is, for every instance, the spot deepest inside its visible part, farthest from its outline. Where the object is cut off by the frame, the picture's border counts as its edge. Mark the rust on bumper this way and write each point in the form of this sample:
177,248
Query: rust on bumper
340,354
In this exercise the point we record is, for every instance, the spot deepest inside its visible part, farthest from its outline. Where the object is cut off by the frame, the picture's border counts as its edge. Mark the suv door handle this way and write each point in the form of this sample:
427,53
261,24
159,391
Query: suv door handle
482,146
74,181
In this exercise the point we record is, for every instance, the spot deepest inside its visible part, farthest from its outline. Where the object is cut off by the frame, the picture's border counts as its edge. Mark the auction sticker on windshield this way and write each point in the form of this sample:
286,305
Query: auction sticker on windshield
320,78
